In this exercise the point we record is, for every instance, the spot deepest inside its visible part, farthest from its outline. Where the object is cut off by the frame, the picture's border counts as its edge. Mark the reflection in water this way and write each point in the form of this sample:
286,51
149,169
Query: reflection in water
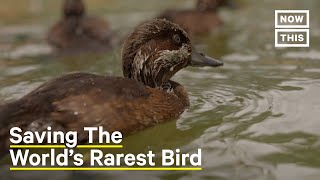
312,54
255,118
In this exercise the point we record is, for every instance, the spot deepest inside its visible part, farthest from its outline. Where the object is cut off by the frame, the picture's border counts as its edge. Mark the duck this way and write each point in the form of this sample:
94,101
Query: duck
201,20
145,96
76,32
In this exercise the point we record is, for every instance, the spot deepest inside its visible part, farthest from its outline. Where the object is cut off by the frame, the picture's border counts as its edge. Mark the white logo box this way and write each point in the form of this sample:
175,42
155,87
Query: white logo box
306,12
291,45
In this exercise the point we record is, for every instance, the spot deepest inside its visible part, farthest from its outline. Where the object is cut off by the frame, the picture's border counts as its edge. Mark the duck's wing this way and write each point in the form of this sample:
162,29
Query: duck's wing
71,102
83,83
95,88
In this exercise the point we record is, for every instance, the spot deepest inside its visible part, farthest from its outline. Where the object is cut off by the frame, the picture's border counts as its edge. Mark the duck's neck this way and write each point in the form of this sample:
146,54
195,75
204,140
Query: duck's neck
73,16
73,25
73,13
179,91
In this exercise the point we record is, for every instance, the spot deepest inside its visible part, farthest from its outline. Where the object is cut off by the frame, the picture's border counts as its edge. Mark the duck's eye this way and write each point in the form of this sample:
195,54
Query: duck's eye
177,38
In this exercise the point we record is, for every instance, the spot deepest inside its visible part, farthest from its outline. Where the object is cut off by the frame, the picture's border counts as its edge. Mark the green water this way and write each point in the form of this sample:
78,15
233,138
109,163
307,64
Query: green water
257,117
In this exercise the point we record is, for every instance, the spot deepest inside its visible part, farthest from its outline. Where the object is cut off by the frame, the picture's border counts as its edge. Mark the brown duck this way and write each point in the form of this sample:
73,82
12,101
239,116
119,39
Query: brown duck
144,97
76,32
203,19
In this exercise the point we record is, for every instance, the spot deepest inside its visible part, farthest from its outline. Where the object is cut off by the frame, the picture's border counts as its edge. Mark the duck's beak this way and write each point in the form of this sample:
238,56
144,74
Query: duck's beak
200,60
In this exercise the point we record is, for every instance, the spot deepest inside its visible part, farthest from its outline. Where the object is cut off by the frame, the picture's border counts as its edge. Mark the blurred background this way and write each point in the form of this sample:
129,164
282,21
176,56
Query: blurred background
257,117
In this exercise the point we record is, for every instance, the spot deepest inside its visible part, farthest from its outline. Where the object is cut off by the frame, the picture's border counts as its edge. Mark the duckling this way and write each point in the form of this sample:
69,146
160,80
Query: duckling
144,97
76,32
200,20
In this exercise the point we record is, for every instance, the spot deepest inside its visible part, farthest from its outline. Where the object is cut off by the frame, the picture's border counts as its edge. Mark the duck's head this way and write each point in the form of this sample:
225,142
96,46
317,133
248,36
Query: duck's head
156,50
212,5
73,8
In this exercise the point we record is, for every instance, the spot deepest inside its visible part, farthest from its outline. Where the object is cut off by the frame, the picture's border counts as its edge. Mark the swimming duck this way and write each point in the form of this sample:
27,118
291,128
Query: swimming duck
144,97
200,20
76,32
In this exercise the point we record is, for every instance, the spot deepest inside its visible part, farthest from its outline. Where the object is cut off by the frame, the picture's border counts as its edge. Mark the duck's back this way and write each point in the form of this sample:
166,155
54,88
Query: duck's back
78,100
